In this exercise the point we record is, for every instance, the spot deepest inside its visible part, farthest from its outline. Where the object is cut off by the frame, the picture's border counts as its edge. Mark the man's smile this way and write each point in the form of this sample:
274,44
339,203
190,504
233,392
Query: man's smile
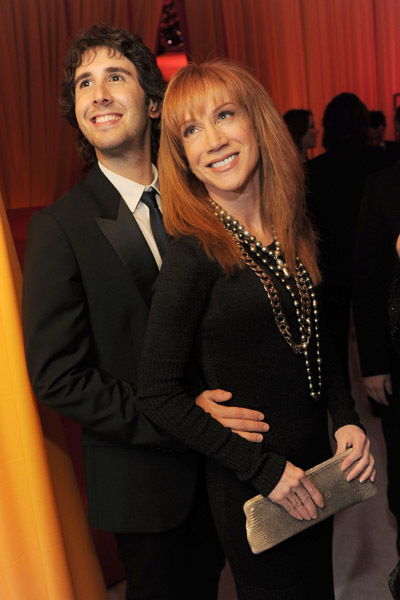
105,118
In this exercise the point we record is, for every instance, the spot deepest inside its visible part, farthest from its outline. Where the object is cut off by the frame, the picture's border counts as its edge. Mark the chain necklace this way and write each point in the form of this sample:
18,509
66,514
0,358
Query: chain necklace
305,304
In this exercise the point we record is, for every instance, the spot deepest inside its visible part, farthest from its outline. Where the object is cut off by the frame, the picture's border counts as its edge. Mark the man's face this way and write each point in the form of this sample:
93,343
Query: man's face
375,135
110,104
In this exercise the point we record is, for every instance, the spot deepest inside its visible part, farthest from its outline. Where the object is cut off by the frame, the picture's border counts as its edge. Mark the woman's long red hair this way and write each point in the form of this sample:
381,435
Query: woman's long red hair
186,208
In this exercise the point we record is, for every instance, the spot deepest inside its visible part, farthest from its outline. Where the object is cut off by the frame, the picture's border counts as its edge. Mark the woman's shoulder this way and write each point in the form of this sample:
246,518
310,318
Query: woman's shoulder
190,247
187,241
188,253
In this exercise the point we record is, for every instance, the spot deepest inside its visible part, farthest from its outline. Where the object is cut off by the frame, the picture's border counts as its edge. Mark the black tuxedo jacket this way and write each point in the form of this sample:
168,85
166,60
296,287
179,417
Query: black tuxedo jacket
88,278
375,256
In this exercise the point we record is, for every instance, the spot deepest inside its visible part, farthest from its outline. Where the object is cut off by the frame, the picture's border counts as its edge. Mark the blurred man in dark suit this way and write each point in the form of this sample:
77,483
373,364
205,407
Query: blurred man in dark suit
376,263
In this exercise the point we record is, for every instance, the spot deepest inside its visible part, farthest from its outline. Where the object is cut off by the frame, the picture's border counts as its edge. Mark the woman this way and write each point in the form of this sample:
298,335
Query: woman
301,125
247,315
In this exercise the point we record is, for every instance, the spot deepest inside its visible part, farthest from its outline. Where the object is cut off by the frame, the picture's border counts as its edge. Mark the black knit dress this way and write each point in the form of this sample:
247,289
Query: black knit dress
226,326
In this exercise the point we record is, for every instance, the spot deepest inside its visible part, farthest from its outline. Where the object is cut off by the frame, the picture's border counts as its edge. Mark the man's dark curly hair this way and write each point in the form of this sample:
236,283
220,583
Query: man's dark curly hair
376,119
118,41
346,119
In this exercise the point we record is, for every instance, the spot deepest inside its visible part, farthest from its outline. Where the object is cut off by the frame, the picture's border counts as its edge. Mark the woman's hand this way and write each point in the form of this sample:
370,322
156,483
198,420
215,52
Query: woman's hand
296,493
351,436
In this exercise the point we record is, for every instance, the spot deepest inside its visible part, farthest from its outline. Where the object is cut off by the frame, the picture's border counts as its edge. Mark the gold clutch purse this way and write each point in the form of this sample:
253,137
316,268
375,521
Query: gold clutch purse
268,524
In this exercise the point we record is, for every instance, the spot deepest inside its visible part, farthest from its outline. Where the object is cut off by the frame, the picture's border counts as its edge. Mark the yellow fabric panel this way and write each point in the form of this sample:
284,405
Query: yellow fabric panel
46,552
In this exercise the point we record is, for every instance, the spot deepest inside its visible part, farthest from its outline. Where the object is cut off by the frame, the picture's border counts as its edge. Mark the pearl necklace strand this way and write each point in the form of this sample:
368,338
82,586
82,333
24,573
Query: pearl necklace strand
274,260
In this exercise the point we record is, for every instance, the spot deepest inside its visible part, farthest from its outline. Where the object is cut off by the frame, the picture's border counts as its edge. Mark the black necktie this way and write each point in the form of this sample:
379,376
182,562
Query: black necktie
156,221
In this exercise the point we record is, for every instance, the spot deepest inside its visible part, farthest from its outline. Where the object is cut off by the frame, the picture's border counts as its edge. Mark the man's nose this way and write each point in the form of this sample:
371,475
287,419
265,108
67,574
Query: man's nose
101,94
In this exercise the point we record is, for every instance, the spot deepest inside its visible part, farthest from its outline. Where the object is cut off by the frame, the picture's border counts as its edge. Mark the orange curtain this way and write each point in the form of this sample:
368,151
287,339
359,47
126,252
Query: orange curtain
46,551
307,51
38,161
268,37
387,15
303,51
204,29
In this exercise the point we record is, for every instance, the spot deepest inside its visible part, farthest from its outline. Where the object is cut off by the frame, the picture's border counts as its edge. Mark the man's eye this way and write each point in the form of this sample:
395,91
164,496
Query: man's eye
84,83
116,78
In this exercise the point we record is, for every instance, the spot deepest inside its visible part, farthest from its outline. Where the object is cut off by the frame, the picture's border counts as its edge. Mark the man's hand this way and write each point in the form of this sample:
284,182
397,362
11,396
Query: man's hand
377,386
244,421
297,494
351,436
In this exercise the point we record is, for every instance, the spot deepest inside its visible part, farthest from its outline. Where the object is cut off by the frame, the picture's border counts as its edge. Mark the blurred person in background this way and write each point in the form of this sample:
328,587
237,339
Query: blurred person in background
301,125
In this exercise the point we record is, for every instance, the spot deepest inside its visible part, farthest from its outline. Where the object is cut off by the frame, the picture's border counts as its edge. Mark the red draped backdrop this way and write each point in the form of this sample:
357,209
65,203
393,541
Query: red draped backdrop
303,51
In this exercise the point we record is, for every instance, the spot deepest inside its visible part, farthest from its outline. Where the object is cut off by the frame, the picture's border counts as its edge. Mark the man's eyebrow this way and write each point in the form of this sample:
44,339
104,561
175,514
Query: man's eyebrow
108,70
81,77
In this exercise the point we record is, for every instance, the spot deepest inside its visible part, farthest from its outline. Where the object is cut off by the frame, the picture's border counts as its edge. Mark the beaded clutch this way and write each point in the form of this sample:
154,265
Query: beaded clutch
268,524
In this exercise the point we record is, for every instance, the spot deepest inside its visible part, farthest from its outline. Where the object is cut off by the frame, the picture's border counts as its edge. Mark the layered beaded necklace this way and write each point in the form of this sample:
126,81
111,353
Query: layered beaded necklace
305,303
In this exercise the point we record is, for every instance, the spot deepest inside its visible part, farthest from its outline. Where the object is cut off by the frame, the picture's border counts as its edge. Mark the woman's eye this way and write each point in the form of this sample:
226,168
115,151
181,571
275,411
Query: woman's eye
189,131
225,114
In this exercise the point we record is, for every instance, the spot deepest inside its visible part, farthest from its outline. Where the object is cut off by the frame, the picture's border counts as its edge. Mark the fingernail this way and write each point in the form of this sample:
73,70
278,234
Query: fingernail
259,438
265,427
260,416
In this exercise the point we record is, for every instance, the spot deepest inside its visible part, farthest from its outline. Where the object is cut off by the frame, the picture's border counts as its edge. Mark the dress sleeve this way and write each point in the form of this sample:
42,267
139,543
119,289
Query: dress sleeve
335,390
180,300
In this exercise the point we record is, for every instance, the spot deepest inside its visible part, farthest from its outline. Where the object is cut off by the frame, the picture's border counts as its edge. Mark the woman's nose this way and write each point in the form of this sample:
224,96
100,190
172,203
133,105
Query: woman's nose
216,137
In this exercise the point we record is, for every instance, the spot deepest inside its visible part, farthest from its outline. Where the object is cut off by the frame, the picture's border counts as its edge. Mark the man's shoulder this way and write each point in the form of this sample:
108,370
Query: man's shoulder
388,178
91,196
318,161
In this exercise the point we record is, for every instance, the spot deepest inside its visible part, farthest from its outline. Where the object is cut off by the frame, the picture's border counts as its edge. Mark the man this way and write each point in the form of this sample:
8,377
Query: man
390,151
375,257
336,183
90,265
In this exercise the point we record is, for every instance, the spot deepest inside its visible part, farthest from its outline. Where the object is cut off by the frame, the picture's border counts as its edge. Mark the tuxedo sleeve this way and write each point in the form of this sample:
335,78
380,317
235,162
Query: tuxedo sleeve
58,342
370,286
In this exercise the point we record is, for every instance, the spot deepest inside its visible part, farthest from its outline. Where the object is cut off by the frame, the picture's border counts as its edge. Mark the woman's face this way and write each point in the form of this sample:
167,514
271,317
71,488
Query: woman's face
309,140
221,147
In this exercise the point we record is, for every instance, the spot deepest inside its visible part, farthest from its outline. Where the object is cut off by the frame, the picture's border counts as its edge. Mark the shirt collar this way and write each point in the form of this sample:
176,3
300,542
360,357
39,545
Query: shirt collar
131,191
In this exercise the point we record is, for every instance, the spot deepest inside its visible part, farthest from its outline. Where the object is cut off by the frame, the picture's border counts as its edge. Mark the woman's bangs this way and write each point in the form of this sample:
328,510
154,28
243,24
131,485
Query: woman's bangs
194,94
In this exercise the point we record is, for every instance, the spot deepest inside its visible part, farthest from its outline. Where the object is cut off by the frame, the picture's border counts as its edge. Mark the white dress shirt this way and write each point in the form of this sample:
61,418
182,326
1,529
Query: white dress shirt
131,192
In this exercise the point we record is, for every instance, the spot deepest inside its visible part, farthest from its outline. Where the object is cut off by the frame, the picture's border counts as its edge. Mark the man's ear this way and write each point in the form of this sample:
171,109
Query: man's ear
154,109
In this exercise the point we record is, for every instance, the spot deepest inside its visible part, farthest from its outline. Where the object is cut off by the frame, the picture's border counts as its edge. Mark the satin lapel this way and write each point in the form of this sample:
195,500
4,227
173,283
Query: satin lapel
129,243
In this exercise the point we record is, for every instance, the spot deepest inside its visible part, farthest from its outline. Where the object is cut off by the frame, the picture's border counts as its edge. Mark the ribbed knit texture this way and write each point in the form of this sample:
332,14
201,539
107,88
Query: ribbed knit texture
227,326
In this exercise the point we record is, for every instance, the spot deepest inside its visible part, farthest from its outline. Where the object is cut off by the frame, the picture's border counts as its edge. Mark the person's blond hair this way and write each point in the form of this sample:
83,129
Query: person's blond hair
186,206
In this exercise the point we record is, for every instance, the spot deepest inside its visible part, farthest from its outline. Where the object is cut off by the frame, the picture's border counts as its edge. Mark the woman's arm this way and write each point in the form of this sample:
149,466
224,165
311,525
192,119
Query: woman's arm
347,427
